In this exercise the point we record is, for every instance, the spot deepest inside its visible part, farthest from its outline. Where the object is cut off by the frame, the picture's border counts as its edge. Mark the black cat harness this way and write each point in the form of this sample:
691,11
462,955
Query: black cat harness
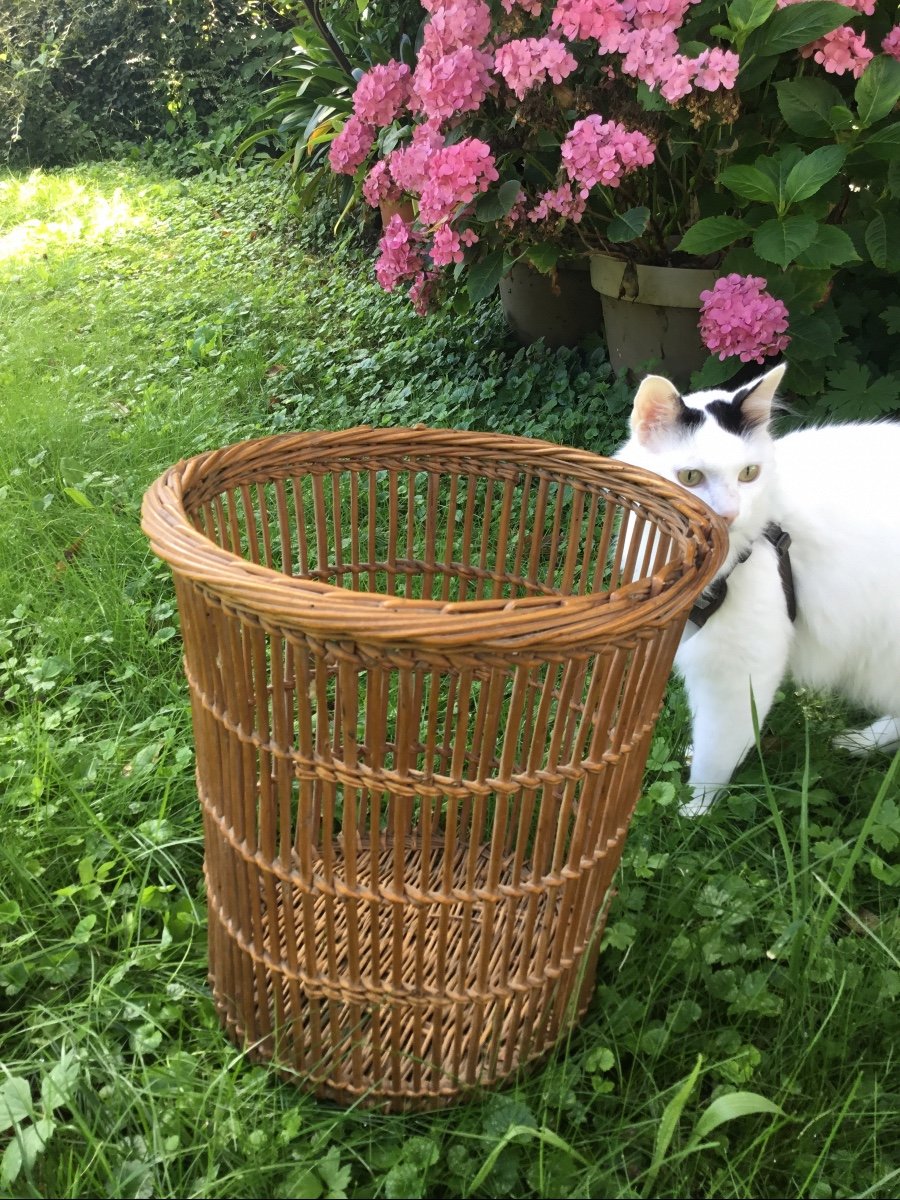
714,596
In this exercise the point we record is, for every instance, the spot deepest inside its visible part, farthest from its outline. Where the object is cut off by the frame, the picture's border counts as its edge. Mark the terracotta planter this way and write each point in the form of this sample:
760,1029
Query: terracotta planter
651,314
389,207
563,317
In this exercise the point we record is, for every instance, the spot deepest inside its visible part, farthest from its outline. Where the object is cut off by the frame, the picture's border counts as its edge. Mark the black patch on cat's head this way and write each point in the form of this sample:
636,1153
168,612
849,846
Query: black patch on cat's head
730,413
689,418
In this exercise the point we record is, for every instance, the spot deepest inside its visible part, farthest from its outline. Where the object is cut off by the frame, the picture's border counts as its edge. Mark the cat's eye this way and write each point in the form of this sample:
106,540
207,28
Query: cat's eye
749,473
690,477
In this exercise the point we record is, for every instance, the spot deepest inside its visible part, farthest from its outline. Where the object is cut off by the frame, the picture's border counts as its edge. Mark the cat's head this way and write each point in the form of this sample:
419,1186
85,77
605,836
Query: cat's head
715,444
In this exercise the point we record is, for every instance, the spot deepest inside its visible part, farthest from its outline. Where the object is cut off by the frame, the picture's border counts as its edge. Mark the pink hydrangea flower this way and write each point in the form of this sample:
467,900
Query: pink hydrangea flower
529,61
560,200
409,164
456,174
517,212
378,185
398,256
447,246
840,51
648,53
657,14
738,316
382,92
452,83
603,20
891,44
532,7
351,146
679,78
420,292
454,24
598,151
716,69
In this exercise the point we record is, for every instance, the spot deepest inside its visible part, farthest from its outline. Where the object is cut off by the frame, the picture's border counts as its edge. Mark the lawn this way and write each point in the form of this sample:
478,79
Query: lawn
143,319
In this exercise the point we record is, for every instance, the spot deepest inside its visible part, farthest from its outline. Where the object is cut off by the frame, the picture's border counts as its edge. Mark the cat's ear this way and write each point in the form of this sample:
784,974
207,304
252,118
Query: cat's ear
758,397
657,408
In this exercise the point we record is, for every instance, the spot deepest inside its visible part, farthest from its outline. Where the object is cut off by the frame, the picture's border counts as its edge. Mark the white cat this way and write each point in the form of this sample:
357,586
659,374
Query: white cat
836,492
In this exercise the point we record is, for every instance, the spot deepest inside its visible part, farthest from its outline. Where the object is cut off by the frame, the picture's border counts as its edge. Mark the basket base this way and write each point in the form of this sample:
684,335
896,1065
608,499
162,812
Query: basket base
409,1028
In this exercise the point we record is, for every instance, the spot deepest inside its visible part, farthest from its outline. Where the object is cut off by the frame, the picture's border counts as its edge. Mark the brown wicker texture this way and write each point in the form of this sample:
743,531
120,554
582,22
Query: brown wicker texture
425,666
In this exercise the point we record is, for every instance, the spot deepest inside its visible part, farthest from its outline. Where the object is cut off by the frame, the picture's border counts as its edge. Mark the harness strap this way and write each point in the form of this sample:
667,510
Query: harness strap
714,596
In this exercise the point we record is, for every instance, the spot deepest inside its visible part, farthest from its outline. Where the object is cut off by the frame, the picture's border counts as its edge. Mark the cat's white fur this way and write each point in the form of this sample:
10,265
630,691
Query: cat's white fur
836,491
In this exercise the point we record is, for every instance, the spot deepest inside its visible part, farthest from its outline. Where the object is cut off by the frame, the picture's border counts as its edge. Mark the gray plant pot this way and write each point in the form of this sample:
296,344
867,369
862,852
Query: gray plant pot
563,317
651,314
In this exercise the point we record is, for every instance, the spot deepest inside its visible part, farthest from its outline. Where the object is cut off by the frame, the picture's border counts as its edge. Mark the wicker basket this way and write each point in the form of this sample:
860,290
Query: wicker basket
425,666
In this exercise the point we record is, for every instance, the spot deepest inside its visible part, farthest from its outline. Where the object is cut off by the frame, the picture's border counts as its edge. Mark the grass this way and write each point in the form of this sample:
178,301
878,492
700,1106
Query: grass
743,1037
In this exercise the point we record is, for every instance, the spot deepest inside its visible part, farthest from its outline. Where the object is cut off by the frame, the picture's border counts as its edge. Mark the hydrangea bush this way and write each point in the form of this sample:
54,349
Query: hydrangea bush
759,138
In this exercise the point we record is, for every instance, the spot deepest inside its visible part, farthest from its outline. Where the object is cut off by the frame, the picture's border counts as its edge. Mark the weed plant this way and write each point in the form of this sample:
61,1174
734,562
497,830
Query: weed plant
743,1037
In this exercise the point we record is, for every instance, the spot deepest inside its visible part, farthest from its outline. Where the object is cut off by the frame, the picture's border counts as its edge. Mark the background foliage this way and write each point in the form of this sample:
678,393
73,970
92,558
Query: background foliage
79,76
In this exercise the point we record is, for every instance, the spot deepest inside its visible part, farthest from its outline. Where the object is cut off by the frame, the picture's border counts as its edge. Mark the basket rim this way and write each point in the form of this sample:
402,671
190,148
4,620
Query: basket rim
558,621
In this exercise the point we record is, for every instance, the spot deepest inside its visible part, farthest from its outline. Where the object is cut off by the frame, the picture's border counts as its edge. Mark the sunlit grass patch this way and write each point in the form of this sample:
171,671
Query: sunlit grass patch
65,211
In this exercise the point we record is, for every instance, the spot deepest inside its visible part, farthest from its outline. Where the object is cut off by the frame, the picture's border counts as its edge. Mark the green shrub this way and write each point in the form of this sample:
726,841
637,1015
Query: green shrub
79,76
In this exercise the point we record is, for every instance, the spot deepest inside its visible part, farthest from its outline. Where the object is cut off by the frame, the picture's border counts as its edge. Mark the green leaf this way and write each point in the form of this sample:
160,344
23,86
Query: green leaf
780,241
23,1150
649,99
543,256
9,914
729,1108
714,372
812,338
485,275
893,178
812,172
58,1085
884,143
877,240
806,104
494,205
777,168
461,303
841,117
746,15
832,248
796,26
878,89
713,233
750,182
806,378
404,1182
77,497
891,318
11,1163
627,226
668,1122
335,1176
15,1102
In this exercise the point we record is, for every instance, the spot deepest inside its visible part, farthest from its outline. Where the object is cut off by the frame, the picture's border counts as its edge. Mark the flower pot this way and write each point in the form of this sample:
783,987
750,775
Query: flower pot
387,209
562,317
651,314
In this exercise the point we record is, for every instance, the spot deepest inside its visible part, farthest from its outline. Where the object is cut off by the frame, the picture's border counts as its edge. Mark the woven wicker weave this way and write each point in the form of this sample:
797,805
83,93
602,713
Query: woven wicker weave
425,666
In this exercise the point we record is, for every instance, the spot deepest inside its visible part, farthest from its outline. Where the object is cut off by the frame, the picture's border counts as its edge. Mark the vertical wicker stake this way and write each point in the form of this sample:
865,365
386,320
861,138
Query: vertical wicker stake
425,667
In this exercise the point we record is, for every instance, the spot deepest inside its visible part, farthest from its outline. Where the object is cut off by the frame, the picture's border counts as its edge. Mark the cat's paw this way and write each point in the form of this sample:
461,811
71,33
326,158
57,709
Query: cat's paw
883,734
854,742
703,797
